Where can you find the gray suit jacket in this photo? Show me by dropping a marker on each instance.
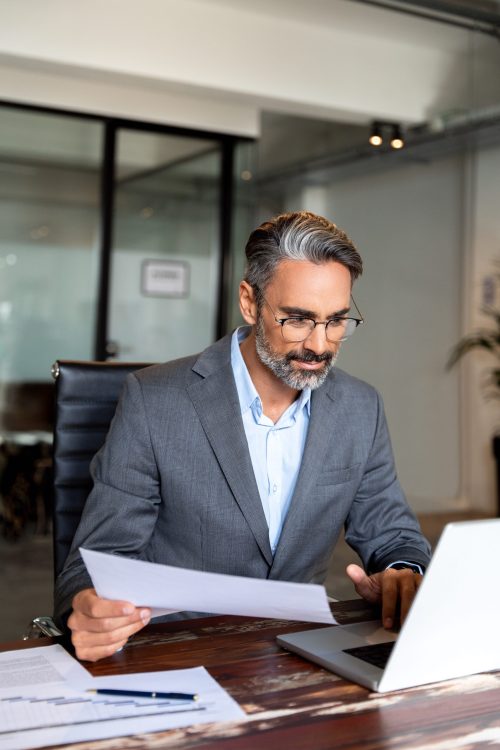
(174, 482)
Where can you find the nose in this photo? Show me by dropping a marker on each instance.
(316, 341)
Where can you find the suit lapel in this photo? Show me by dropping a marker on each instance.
(215, 399)
(319, 440)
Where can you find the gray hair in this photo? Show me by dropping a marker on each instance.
(300, 235)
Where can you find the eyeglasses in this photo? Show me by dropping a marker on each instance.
(299, 328)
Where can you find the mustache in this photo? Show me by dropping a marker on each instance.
(309, 357)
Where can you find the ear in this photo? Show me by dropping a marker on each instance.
(248, 305)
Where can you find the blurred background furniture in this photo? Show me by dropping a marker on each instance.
(26, 423)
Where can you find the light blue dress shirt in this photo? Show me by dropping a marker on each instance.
(275, 449)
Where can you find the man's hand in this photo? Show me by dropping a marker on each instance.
(100, 627)
(390, 587)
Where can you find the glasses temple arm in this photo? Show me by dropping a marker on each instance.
(358, 310)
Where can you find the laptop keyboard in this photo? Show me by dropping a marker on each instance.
(378, 654)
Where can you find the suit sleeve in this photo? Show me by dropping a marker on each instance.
(380, 525)
(121, 511)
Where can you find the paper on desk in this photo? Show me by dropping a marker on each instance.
(166, 589)
(39, 668)
(43, 701)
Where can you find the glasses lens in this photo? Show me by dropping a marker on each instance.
(295, 330)
(340, 329)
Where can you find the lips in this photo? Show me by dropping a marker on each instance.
(310, 365)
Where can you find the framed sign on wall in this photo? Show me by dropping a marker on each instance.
(165, 278)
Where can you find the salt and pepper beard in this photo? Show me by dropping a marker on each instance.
(281, 365)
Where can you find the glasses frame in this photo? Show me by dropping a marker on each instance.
(325, 323)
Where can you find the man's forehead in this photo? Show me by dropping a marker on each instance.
(319, 302)
(290, 267)
(305, 279)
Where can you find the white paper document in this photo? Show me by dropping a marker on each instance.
(44, 701)
(167, 589)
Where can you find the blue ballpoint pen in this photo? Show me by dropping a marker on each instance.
(145, 694)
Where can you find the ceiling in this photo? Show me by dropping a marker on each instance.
(352, 16)
(383, 18)
(343, 12)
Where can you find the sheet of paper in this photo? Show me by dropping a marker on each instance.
(38, 710)
(43, 668)
(166, 589)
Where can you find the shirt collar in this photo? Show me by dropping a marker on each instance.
(247, 393)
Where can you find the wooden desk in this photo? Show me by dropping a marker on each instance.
(294, 704)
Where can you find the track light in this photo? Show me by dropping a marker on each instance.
(375, 138)
(380, 130)
(397, 138)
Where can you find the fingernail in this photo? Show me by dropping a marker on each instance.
(128, 609)
(388, 622)
(145, 616)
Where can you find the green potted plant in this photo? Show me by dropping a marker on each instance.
(485, 339)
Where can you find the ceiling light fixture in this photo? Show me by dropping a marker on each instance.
(380, 131)
(375, 138)
(397, 140)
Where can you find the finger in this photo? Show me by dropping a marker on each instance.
(92, 646)
(90, 604)
(367, 587)
(85, 638)
(355, 573)
(390, 596)
(94, 653)
(408, 592)
(79, 621)
(398, 588)
(93, 613)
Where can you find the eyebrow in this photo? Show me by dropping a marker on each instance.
(301, 312)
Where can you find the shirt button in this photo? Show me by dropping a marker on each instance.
(275, 487)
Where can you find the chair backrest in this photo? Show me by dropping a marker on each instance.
(86, 398)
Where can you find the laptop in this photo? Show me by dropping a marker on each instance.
(451, 630)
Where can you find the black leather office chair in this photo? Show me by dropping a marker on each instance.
(86, 398)
(86, 394)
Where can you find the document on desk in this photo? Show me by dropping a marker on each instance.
(44, 701)
(166, 589)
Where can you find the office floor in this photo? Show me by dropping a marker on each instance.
(26, 574)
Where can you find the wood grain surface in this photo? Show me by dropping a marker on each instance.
(293, 704)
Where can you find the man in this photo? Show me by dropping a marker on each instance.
(250, 457)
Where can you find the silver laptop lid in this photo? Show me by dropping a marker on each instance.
(453, 628)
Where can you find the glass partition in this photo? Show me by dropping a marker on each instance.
(166, 249)
(49, 196)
